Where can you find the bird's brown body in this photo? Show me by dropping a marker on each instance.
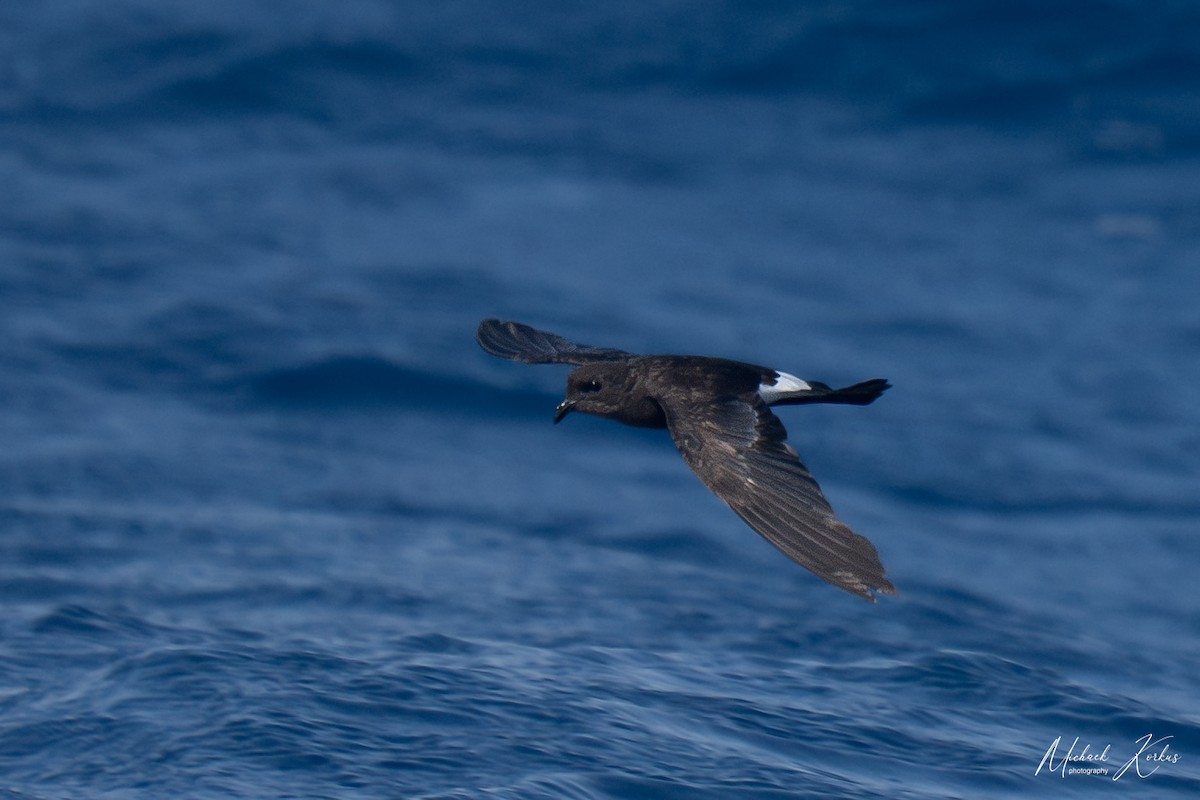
(717, 413)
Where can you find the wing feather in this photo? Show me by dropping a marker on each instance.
(518, 342)
(738, 449)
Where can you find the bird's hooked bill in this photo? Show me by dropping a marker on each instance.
(563, 409)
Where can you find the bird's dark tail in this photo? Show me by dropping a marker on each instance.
(859, 394)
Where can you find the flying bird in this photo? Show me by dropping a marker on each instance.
(718, 414)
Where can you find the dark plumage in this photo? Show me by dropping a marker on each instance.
(717, 413)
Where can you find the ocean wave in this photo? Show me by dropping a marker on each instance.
(367, 380)
(967, 61)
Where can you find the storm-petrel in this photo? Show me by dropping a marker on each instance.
(717, 413)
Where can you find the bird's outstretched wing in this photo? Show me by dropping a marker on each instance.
(737, 447)
(519, 342)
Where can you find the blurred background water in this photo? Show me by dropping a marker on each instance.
(273, 526)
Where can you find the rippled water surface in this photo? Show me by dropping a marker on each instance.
(272, 525)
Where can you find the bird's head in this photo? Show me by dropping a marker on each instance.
(598, 389)
(609, 389)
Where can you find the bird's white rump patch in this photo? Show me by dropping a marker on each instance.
(784, 385)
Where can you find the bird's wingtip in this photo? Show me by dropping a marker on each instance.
(870, 590)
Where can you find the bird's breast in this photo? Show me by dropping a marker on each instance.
(642, 413)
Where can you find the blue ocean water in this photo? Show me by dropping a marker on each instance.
(272, 525)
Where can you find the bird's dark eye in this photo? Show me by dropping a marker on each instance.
(590, 386)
